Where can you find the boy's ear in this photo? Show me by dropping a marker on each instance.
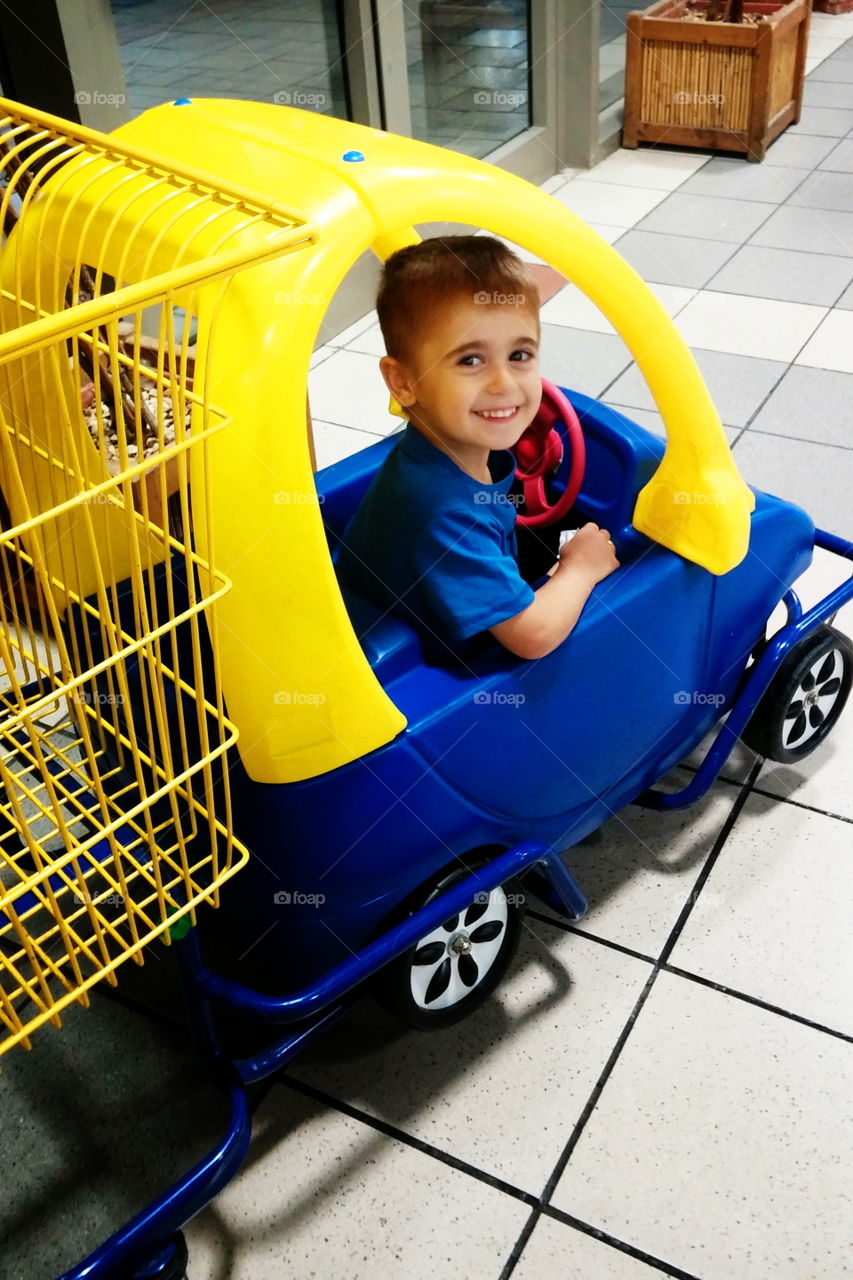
(399, 381)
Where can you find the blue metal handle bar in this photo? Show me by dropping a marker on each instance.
(350, 972)
(799, 624)
(118, 1257)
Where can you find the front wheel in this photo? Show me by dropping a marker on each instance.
(804, 699)
(451, 971)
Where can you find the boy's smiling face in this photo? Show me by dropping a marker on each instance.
(470, 382)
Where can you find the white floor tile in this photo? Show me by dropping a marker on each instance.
(831, 346)
(722, 1142)
(557, 1252)
(610, 234)
(573, 308)
(347, 389)
(748, 326)
(323, 1195)
(319, 354)
(369, 341)
(550, 185)
(333, 443)
(345, 337)
(560, 1008)
(608, 203)
(773, 920)
(659, 170)
(638, 870)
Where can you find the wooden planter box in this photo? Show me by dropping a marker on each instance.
(722, 86)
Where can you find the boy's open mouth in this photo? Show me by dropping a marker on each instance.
(496, 415)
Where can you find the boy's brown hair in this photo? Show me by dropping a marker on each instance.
(421, 277)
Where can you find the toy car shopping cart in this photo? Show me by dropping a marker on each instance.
(167, 582)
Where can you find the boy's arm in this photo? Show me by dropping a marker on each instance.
(537, 630)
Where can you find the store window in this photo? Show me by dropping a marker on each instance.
(469, 72)
(263, 50)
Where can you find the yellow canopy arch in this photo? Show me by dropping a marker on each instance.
(295, 678)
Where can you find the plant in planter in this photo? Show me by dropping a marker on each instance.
(724, 75)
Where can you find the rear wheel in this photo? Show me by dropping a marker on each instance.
(804, 699)
(451, 971)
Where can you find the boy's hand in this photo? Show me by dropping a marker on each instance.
(537, 630)
(590, 553)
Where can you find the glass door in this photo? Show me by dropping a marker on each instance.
(469, 72)
(265, 50)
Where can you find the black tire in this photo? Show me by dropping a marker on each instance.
(452, 970)
(804, 699)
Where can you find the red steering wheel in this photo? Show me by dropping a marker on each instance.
(541, 452)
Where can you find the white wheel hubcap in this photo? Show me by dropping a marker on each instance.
(813, 700)
(449, 963)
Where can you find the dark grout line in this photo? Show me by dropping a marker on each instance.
(408, 1139)
(801, 804)
(757, 1002)
(568, 927)
(674, 934)
(520, 1244)
(668, 1268)
(778, 435)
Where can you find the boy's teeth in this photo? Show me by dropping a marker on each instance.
(498, 413)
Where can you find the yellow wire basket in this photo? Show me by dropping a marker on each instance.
(114, 738)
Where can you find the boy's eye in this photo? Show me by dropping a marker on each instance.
(523, 354)
(470, 360)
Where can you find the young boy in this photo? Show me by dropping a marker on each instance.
(434, 537)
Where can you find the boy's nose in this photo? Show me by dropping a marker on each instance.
(501, 380)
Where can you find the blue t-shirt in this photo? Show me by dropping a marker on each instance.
(434, 545)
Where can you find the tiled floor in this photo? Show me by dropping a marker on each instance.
(668, 1087)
